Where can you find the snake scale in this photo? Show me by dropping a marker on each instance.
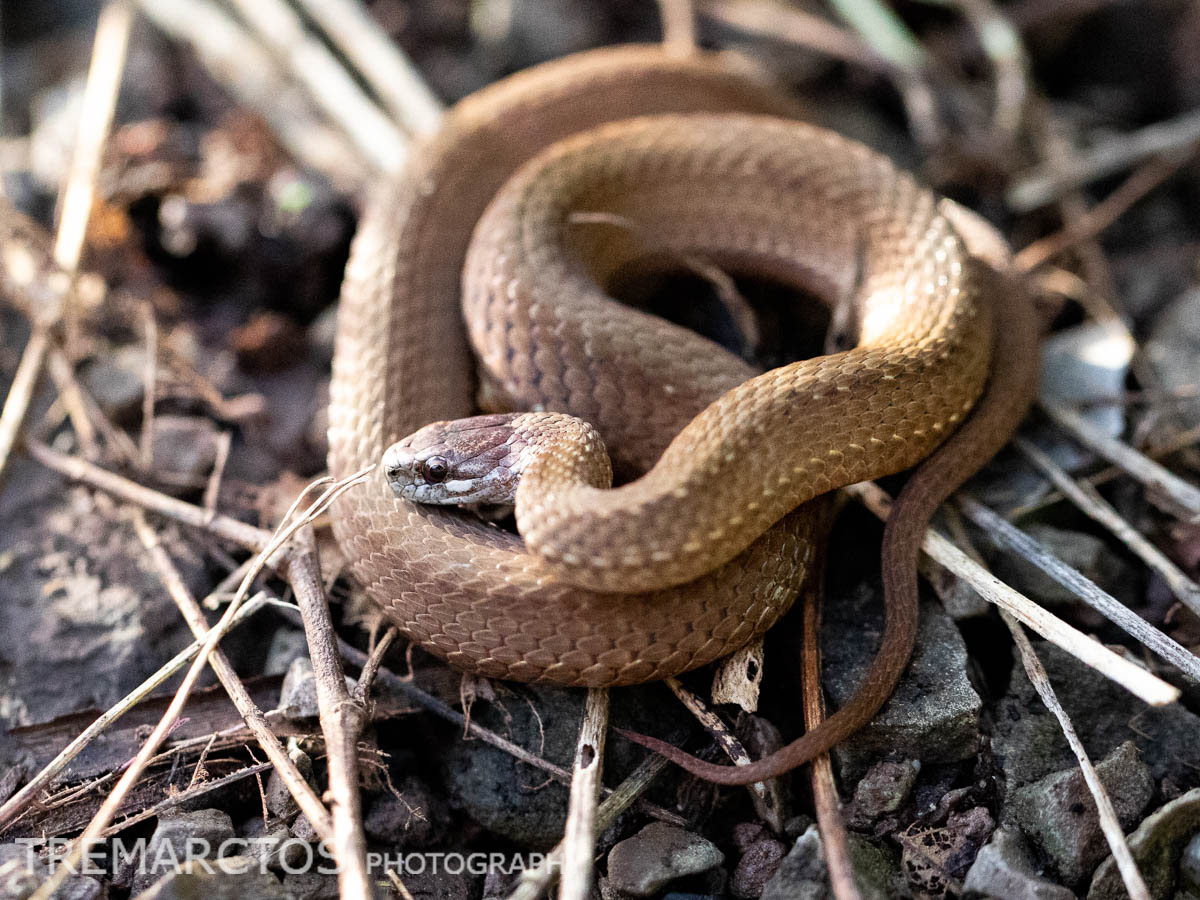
(501, 236)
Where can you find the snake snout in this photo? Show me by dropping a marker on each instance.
(397, 464)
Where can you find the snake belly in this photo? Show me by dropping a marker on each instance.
(703, 553)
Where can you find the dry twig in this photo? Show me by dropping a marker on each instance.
(15, 805)
(370, 668)
(825, 798)
(678, 26)
(329, 84)
(1089, 500)
(1113, 833)
(1172, 444)
(1146, 686)
(108, 809)
(1011, 537)
(536, 881)
(253, 77)
(1095, 220)
(351, 861)
(342, 718)
(717, 729)
(475, 730)
(1167, 491)
(381, 63)
(229, 529)
(579, 836)
(295, 782)
(1047, 182)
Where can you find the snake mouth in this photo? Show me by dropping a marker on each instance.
(405, 491)
(414, 491)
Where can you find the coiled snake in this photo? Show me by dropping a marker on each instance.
(704, 552)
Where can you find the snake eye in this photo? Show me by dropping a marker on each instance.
(435, 469)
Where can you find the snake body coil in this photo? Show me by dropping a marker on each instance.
(704, 552)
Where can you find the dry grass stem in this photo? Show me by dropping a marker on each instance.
(296, 784)
(100, 99)
(20, 393)
(1092, 504)
(116, 441)
(883, 29)
(108, 809)
(99, 104)
(1166, 490)
(256, 81)
(383, 65)
(811, 32)
(1046, 183)
(212, 489)
(401, 890)
(1099, 294)
(71, 395)
(1012, 538)
(538, 880)
(788, 23)
(1113, 833)
(192, 793)
(348, 843)
(1099, 217)
(331, 87)
(18, 802)
(1145, 685)
(1001, 43)
(149, 387)
(349, 847)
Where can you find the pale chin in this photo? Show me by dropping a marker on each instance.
(448, 493)
(403, 491)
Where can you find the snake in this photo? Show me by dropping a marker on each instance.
(482, 276)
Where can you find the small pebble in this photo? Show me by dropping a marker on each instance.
(756, 867)
(656, 856)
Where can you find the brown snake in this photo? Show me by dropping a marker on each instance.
(703, 553)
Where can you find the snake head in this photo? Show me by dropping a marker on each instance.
(464, 461)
